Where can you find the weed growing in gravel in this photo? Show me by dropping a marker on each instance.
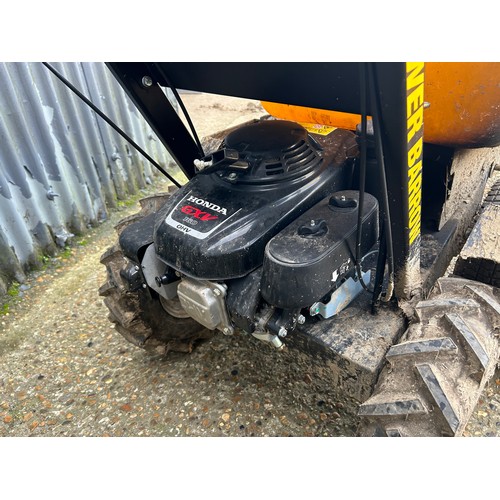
(11, 297)
(66, 253)
(126, 203)
(13, 290)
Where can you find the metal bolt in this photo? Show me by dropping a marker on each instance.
(314, 311)
(147, 81)
(226, 331)
(232, 176)
(200, 164)
(217, 292)
(301, 319)
(50, 194)
(276, 342)
(136, 268)
(144, 285)
(282, 332)
(313, 223)
(427, 104)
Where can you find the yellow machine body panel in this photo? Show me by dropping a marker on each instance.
(463, 110)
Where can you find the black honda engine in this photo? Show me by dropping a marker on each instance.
(262, 236)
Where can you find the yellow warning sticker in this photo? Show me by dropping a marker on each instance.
(415, 129)
(315, 128)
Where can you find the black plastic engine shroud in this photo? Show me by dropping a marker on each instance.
(217, 226)
(312, 256)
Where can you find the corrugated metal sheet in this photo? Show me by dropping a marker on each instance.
(61, 166)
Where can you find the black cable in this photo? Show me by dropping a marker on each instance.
(109, 122)
(377, 132)
(184, 110)
(362, 175)
(379, 273)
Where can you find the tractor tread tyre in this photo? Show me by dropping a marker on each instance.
(139, 316)
(433, 378)
(493, 195)
(479, 269)
(483, 270)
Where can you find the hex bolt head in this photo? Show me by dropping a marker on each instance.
(283, 332)
(216, 291)
(301, 319)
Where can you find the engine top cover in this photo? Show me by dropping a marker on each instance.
(275, 150)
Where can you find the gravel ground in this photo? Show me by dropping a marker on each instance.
(66, 372)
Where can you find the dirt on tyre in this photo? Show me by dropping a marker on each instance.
(141, 316)
(433, 378)
(479, 268)
(493, 195)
